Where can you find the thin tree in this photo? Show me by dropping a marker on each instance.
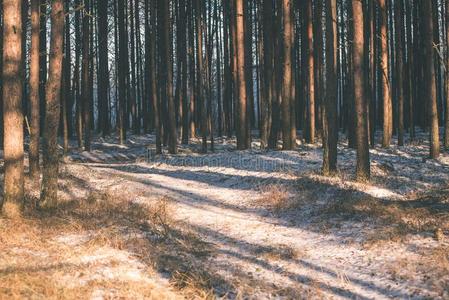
(167, 72)
(399, 70)
(310, 136)
(243, 125)
(361, 131)
(153, 81)
(103, 75)
(85, 80)
(34, 91)
(287, 74)
(53, 89)
(384, 66)
(446, 117)
(429, 76)
(122, 49)
(12, 108)
(330, 127)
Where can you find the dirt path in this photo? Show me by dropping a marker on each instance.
(268, 253)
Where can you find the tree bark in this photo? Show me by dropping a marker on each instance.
(287, 74)
(85, 80)
(362, 145)
(429, 76)
(330, 126)
(103, 75)
(53, 89)
(384, 65)
(166, 58)
(12, 108)
(121, 127)
(310, 136)
(34, 91)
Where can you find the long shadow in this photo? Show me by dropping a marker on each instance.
(247, 249)
(215, 179)
(289, 218)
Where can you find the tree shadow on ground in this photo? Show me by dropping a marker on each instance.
(344, 205)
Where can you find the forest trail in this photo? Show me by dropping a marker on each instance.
(267, 251)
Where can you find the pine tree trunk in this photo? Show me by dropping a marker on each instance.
(287, 74)
(76, 78)
(166, 58)
(248, 25)
(446, 117)
(384, 64)
(192, 78)
(53, 89)
(310, 137)
(153, 81)
(330, 127)
(185, 92)
(85, 80)
(103, 76)
(12, 109)
(362, 145)
(34, 91)
(267, 71)
(242, 138)
(43, 62)
(399, 71)
(121, 127)
(227, 107)
(429, 76)
(201, 99)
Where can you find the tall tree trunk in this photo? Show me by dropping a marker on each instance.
(85, 80)
(287, 74)
(384, 64)
(12, 108)
(76, 77)
(201, 99)
(192, 79)
(167, 72)
(362, 145)
(310, 137)
(122, 71)
(399, 71)
(243, 128)
(53, 89)
(429, 76)
(183, 49)
(34, 91)
(43, 62)
(267, 71)
(330, 126)
(68, 92)
(133, 80)
(446, 117)
(227, 105)
(103, 75)
(153, 81)
(248, 23)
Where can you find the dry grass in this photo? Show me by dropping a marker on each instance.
(432, 265)
(275, 198)
(44, 247)
(276, 253)
(394, 220)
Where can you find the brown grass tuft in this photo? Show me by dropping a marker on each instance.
(275, 198)
(276, 253)
(43, 247)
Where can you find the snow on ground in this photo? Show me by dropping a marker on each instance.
(297, 251)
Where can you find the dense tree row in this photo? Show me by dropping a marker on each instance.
(280, 69)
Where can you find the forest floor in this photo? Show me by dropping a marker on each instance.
(240, 225)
